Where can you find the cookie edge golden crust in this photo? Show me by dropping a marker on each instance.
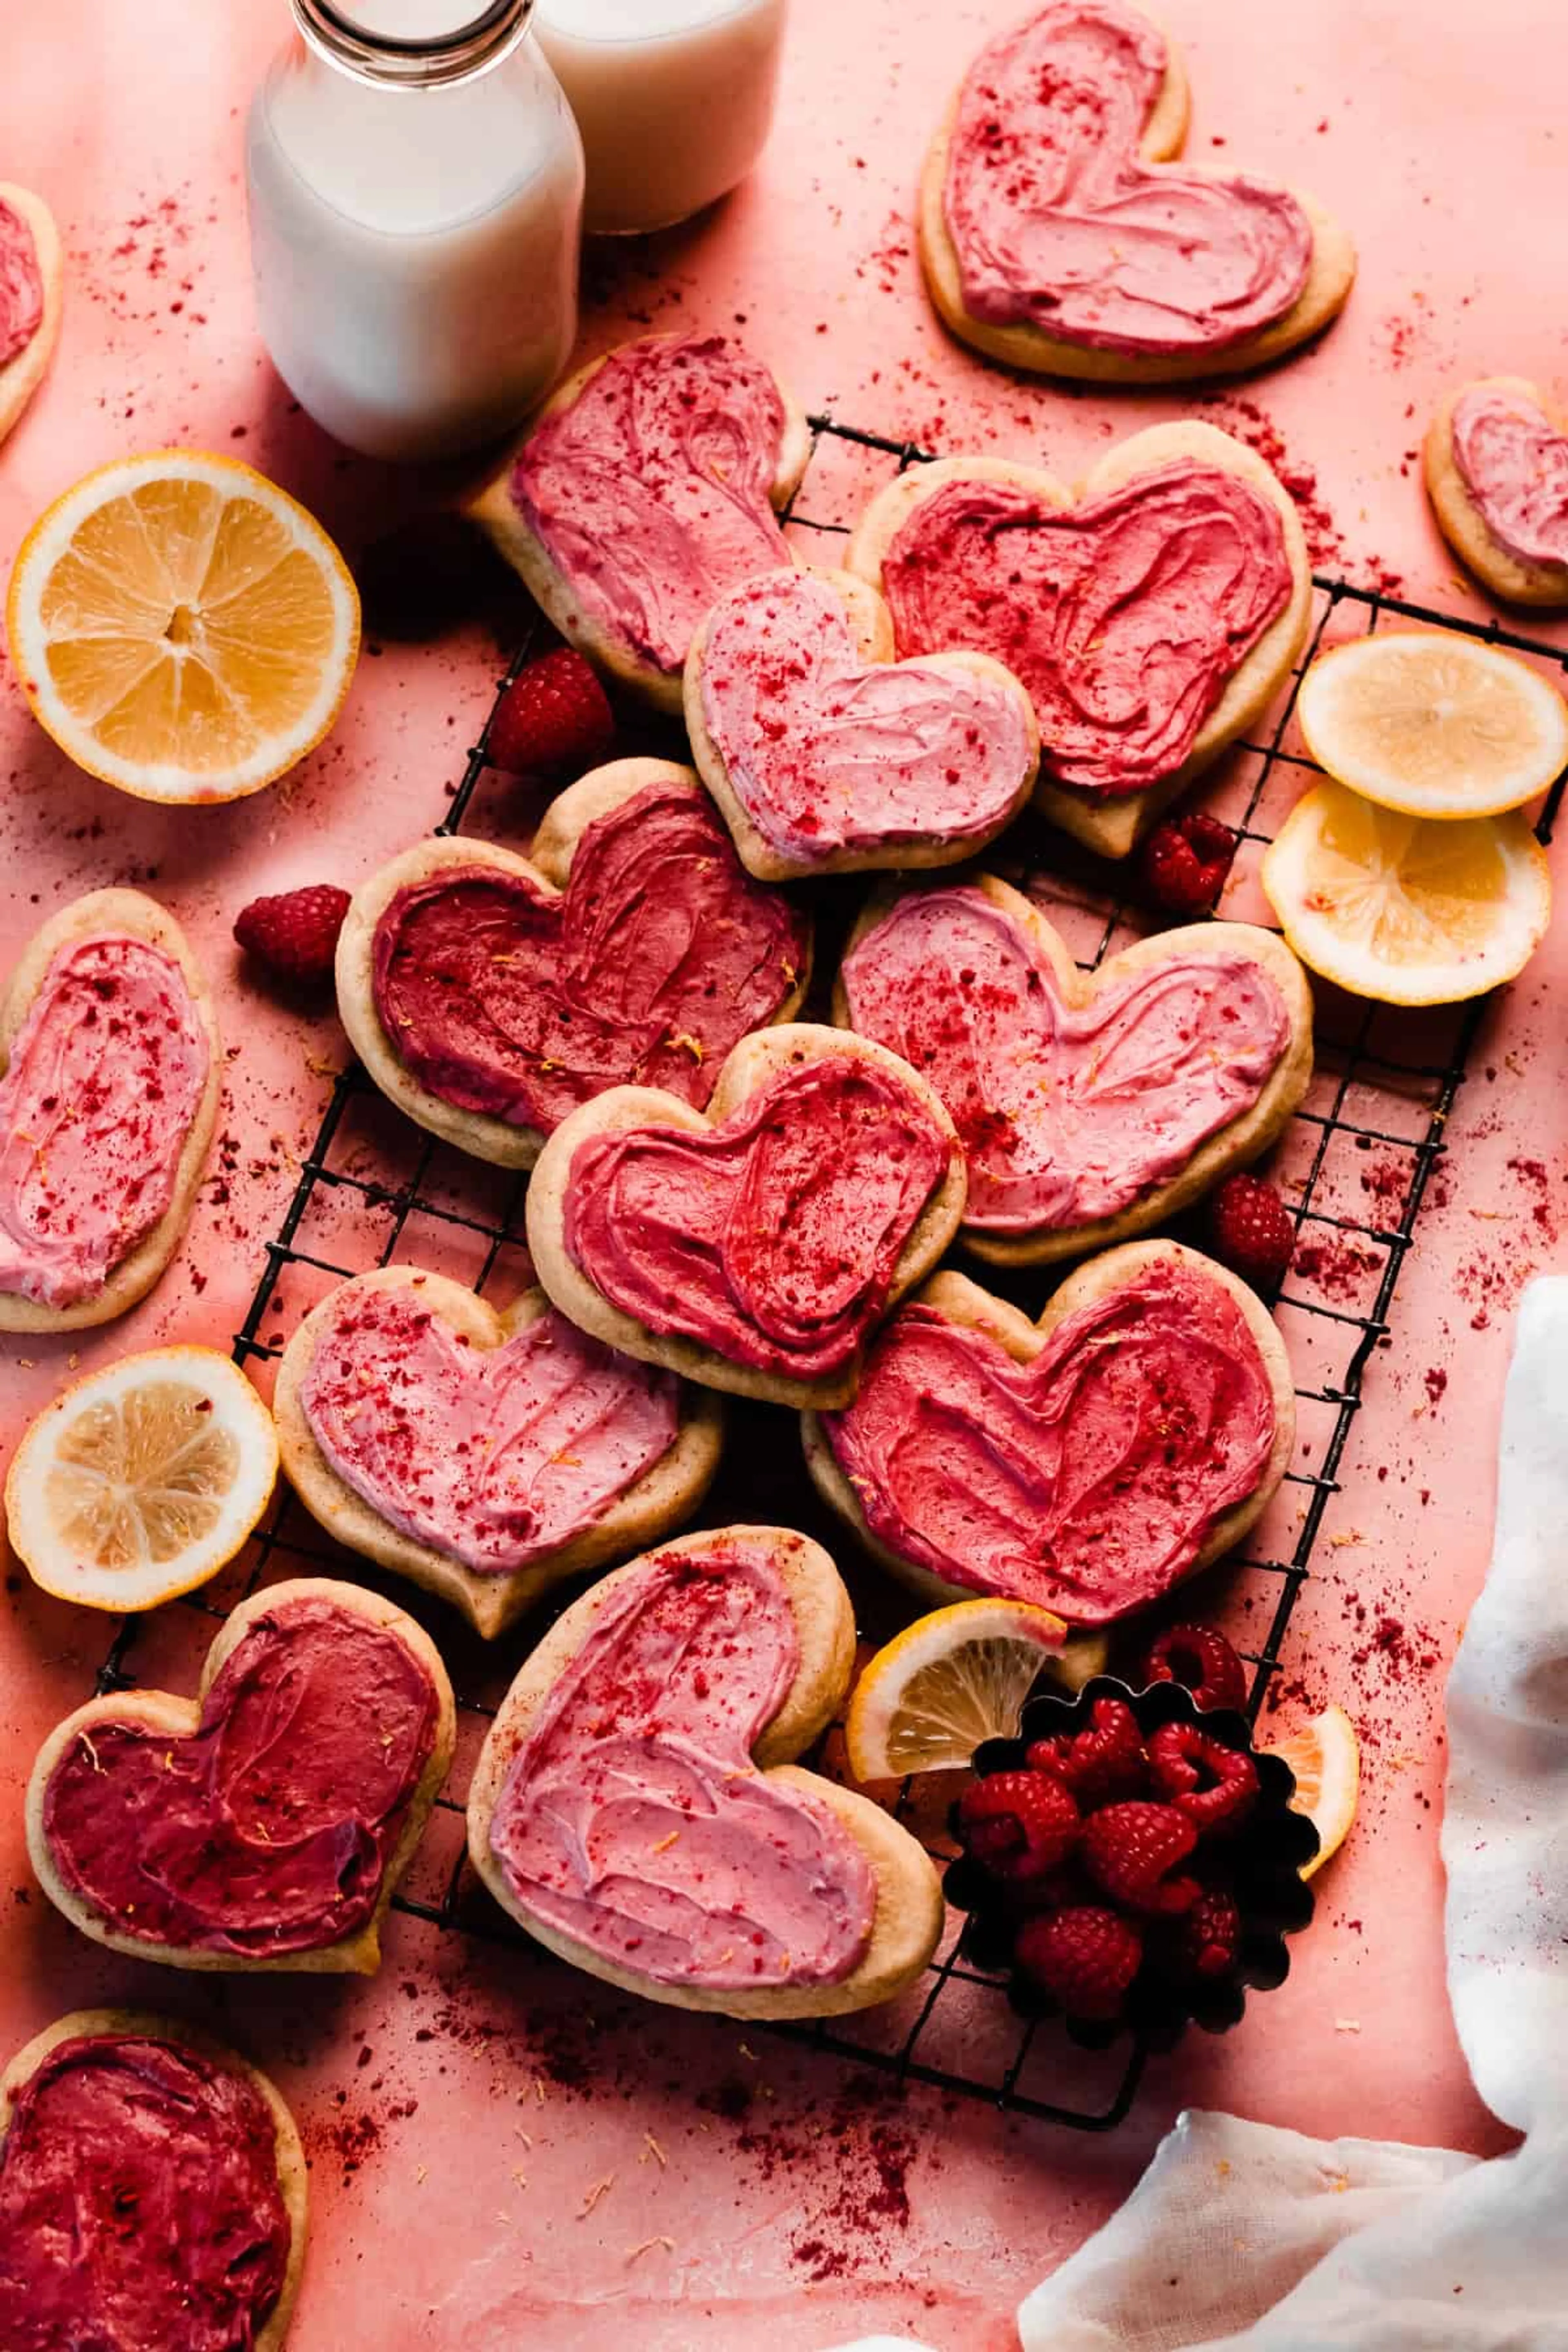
(1113, 825)
(753, 1065)
(493, 508)
(1329, 276)
(909, 1910)
(1501, 572)
(662, 1499)
(358, 1954)
(131, 914)
(293, 2178)
(872, 624)
(562, 827)
(1243, 1139)
(20, 377)
(962, 1300)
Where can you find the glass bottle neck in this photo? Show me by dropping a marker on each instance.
(412, 43)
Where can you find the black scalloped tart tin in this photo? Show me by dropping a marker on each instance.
(1260, 1862)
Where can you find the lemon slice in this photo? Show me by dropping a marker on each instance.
(1434, 724)
(1404, 908)
(949, 1681)
(1325, 1757)
(142, 1480)
(181, 628)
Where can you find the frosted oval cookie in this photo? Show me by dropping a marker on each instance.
(31, 282)
(489, 994)
(486, 1456)
(826, 756)
(1152, 615)
(754, 1247)
(264, 1824)
(649, 485)
(1090, 1105)
(637, 1807)
(1057, 234)
(152, 2191)
(1496, 460)
(1087, 1463)
(111, 1071)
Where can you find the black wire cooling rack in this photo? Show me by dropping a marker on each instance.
(374, 1188)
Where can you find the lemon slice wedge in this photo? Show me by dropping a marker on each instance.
(141, 1480)
(182, 627)
(926, 1701)
(1407, 909)
(1434, 724)
(1325, 1757)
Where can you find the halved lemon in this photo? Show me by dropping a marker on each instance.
(1407, 909)
(182, 627)
(926, 1701)
(1434, 724)
(141, 1480)
(1325, 1757)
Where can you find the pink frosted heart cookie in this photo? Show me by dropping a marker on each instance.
(1496, 462)
(30, 287)
(826, 756)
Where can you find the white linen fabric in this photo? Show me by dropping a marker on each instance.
(1244, 2234)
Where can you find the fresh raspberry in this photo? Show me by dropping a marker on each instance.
(1251, 1230)
(1185, 862)
(1207, 1940)
(295, 934)
(1130, 1850)
(553, 721)
(1084, 1958)
(1212, 1784)
(1101, 1763)
(1018, 1825)
(1201, 1659)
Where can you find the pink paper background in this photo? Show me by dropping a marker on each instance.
(796, 2207)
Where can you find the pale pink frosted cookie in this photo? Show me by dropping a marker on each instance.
(1085, 1464)
(637, 1808)
(647, 487)
(826, 756)
(1496, 461)
(1056, 235)
(30, 289)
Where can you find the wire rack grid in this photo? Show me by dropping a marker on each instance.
(955, 2032)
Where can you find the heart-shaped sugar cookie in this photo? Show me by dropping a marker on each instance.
(484, 1455)
(1090, 1105)
(489, 994)
(826, 756)
(1151, 617)
(634, 1807)
(152, 2191)
(1056, 234)
(1497, 473)
(265, 1823)
(649, 485)
(1085, 1463)
(756, 1248)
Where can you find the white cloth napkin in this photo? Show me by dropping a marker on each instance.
(1240, 2233)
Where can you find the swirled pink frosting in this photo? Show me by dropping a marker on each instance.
(1066, 1113)
(105, 1077)
(826, 754)
(494, 1457)
(21, 285)
(1087, 1479)
(1125, 616)
(649, 493)
(633, 1818)
(1514, 463)
(1058, 222)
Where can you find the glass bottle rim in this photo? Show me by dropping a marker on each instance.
(419, 62)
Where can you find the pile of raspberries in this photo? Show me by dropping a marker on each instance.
(1109, 1849)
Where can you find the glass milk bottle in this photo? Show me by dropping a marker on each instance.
(674, 98)
(416, 184)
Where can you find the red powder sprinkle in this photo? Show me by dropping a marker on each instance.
(1437, 1380)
